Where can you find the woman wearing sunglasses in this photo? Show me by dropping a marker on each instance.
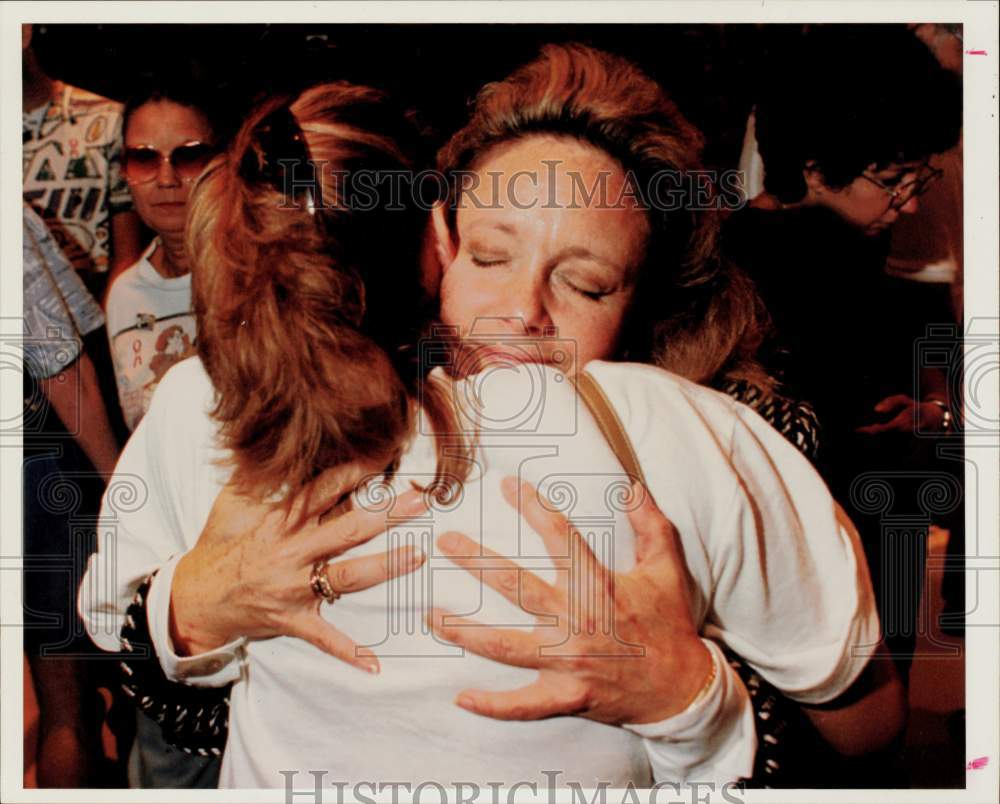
(169, 139)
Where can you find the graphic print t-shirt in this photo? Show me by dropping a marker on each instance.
(71, 171)
(151, 326)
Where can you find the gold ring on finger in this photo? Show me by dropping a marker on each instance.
(320, 584)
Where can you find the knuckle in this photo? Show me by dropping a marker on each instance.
(508, 580)
(498, 646)
(342, 576)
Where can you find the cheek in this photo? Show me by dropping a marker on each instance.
(594, 332)
(140, 196)
(460, 299)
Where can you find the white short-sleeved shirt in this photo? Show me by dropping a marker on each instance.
(777, 570)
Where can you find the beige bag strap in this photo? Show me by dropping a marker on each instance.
(611, 426)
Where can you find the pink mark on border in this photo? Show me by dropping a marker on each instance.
(976, 52)
(978, 764)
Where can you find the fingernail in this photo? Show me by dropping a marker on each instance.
(414, 557)
(412, 503)
(466, 701)
(369, 664)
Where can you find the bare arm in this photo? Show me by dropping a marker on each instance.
(869, 715)
(83, 413)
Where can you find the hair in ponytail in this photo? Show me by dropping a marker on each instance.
(308, 311)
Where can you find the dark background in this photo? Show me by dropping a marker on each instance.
(710, 70)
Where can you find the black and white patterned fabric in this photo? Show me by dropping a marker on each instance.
(193, 719)
(795, 420)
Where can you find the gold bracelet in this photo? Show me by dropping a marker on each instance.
(712, 674)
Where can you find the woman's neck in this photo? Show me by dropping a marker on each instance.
(170, 259)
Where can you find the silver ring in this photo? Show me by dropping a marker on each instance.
(320, 583)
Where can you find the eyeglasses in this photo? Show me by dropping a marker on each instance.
(901, 194)
(142, 163)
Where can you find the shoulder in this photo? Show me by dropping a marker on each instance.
(646, 397)
(86, 101)
(184, 398)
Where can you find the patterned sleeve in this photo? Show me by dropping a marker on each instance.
(58, 308)
(794, 419)
(119, 197)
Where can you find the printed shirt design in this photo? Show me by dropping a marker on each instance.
(144, 352)
(72, 150)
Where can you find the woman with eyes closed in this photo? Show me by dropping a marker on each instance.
(500, 642)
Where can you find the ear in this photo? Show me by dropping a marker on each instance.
(444, 246)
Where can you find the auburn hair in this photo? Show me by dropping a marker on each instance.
(693, 313)
(309, 310)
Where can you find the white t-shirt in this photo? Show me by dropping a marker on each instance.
(151, 327)
(777, 571)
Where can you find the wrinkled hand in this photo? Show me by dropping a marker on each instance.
(911, 417)
(248, 575)
(612, 647)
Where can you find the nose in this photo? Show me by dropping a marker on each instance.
(911, 206)
(526, 305)
(166, 176)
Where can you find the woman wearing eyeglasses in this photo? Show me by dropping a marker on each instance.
(847, 137)
(169, 139)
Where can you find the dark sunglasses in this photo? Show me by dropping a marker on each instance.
(142, 163)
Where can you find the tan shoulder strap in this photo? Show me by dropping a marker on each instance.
(611, 426)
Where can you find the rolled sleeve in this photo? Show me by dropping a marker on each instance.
(713, 740)
(215, 668)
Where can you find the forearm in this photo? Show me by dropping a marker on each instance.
(84, 414)
(869, 716)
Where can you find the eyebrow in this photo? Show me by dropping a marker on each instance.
(504, 228)
(586, 254)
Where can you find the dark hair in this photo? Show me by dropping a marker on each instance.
(693, 313)
(848, 96)
(188, 94)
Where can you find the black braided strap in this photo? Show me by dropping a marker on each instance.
(795, 420)
(790, 752)
(193, 719)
